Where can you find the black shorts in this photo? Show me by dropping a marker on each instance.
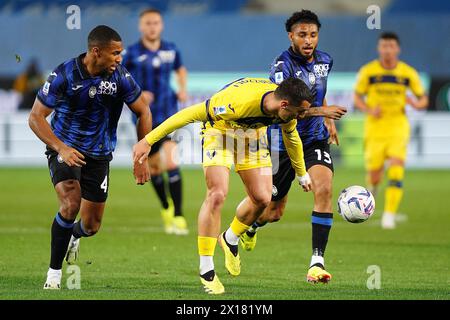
(93, 176)
(157, 146)
(317, 153)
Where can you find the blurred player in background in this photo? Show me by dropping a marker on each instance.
(303, 61)
(235, 131)
(151, 61)
(85, 96)
(384, 83)
(28, 84)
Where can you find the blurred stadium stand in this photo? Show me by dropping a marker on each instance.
(237, 35)
(222, 40)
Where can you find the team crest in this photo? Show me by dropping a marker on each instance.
(59, 158)
(312, 78)
(274, 191)
(211, 154)
(156, 62)
(92, 91)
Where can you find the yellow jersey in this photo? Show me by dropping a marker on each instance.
(239, 105)
(387, 88)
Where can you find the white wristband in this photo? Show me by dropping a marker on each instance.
(304, 180)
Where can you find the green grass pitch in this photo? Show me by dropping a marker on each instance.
(132, 258)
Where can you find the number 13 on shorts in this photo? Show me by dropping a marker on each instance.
(326, 156)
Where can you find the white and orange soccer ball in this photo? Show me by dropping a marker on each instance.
(356, 204)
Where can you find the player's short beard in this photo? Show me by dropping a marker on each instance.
(298, 51)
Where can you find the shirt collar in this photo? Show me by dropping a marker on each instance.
(81, 68)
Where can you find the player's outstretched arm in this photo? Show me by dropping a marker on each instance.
(361, 105)
(332, 112)
(38, 123)
(140, 108)
(420, 103)
(294, 148)
(188, 115)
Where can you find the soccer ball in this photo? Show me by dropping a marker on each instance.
(356, 204)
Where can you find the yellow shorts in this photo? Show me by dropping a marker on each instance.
(377, 150)
(245, 149)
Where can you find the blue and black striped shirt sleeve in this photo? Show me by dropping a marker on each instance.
(53, 89)
(130, 89)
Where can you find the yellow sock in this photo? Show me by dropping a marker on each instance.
(394, 192)
(206, 245)
(238, 227)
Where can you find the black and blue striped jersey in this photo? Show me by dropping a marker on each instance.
(315, 75)
(152, 71)
(87, 109)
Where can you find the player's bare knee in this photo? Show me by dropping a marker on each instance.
(216, 198)
(155, 171)
(91, 229)
(276, 213)
(262, 200)
(324, 191)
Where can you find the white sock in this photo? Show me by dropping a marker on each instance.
(317, 259)
(206, 264)
(231, 237)
(54, 274)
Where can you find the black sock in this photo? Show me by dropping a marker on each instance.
(78, 231)
(321, 225)
(233, 248)
(158, 184)
(208, 276)
(61, 232)
(175, 189)
(255, 226)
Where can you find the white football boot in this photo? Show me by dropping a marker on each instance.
(73, 250)
(53, 281)
(388, 221)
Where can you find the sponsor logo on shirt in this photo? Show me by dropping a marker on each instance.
(321, 70)
(166, 56)
(219, 110)
(278, 63)
(107, 87)
(142, 57)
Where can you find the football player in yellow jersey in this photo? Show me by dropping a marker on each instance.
(235, 122)
(384, 83)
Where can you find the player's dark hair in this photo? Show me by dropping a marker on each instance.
(101, 36)
(295, 91)
(149, 10)
(389, 35)
(304, 16)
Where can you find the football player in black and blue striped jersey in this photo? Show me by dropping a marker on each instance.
(85, 96)
(317, 130)
(151, 61)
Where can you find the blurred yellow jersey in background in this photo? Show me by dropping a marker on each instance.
(387, 89)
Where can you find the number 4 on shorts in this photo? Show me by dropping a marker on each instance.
(104, 184)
